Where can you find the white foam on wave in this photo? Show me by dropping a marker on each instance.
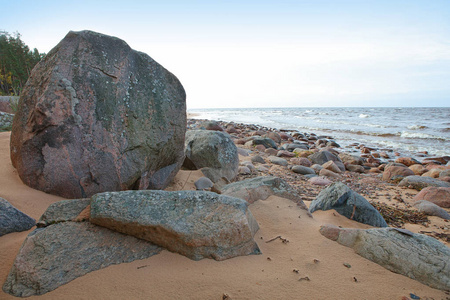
(417, 127)
(418, 135)
(364, 116)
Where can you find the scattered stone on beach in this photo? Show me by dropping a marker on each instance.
(260, 188)
(431, 209)
(437, 195)
(357, 168)
(213, 152)
(301, 161)
(303, 153)
(63, 211)
(258, 159)
(407, 161)
(395, 172)
(212, 125)
(328, 173)
(274, 136)
(441, 160)
(348, 203)
(325, 156)
(244, 170)
(294, 146)
(285, 153)
(444, 173)
(266, 142)
(434, 173)
(271, 151)
(12, 219)
(317, 168)
(303, 170)
(421, 182)
(350, 159)
(320, 181)
(243, 152)
(417, 256)
(203, 183)
(57, 254)
(195, 224)
(418, 169)
(331, 165)
(85, 126)
(278, 161)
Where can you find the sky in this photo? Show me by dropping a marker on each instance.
(316, 53)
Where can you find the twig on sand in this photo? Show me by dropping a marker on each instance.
(278, 237)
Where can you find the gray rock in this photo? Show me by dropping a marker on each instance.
(348, 203)
(63, 211)
(260, 188)
(243, 152)
(292, 147)
(444, 173)
(244, 170)
(421, 182)
(431, 209)
(258, 159)
(278, 161)
(317, 168)
(325, 156)
(355, 168)
(303, 170)
(213, 152)
(12, 219)
(266, 142)
(57, 254)
(203, 183)
(416, 256)
(195, 224)
(96, 115)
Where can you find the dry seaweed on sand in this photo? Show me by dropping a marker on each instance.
(397, 217)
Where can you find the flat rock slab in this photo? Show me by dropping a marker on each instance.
(348, 203)
(12, 219)
(57, 254)
(195, 224)
(417, 256)
(421, 182)
(63, 211)
(260, 188)
(431, 209)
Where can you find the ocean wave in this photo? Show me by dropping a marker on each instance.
(415, 135)
(417, 127)
(364, 116)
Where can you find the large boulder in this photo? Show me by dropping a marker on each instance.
(213, 152)
(348, 203)
(260, 188)
(417, 256)
(195, 224)
(437, 195)
(12, 219)
(96, 115)
(57, 254)
(421, 182)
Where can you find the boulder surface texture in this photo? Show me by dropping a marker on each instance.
(95, 116)
(417, 256)
(57, 254)
(213, 152)
(348, 203)
(421, 182)
(195, 224)
(12, 219)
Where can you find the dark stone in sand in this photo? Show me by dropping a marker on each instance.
(421, 182)
(12, 219)
(348, 203)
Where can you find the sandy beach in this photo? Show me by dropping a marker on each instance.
(274, 274)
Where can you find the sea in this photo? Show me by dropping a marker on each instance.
(407, 130)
